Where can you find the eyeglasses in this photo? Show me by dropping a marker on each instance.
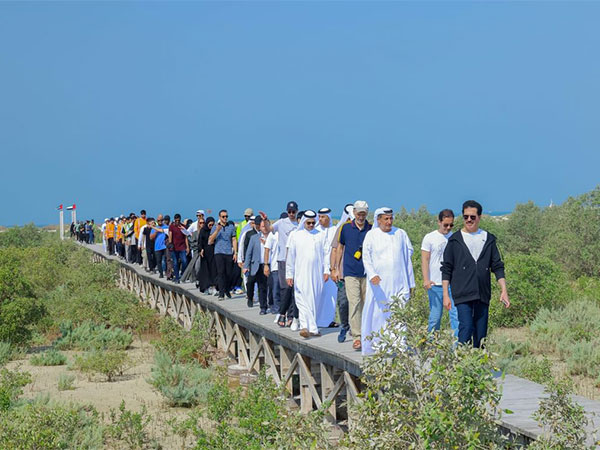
(224, 217)
(200, 223)
(310, 222)
(467, 217)
(291, 211)
(447, 225)
(247, 217)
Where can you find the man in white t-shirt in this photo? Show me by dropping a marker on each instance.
(432, 254)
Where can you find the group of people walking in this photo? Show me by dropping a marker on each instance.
(304, 268)
(83, 231)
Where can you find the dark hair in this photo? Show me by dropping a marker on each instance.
(209, 219)
(472, 204)
(177, 216)
(222, 211)
(445, 213)
(150, 219)
(143, 211)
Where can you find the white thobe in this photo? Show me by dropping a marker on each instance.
(328, 300)
(387, 255)
(305, 265)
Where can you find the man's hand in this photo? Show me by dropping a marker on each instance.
(241, 265)
(290, 282)
(376, 280)
(325, 277)
(235, 257)
(266, 271)
(447, 303)
(334, 275)
(504, 299)
(202, 253)
(427, 284)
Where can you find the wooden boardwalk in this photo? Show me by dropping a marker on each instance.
(314, 370)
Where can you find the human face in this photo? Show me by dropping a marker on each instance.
(471, 219)
(445, 225)
(201, 223)
(324, 220)
(211, 224)
(310, 224)
(223, 217)
(247, 218)
(385, 222)
(263, 227)
(292, 214)
(360, 216)
(200, 217)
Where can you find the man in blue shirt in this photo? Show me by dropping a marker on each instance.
(351, 237)
(159, 236)
(225, 242)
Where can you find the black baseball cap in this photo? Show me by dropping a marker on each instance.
(292, 206)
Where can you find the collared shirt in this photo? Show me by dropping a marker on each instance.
(352, 237)
(223, 241)
(272, 244)
(284, 227)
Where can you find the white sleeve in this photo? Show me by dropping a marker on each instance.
(291, 257)
(426, 244)
(241, 248)
(368, 256)
(410, 270)
(327, 253)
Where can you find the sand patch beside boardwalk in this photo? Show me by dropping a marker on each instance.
(132, 387)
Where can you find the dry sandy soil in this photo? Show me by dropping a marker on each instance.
(131, 387)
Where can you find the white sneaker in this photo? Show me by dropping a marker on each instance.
(276, 318)
(239, 291)
(295, 325)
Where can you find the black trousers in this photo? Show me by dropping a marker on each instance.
(110, 245)
(287, 303)
(258, 277)
(151, 258)
(224, 270)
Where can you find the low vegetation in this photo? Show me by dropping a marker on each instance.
(49, 358)
(110, 363)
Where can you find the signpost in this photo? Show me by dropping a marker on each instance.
(62, 222)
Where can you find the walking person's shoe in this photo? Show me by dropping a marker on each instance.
(228, 294)
(304, 333)
(342, 336)
(250, 303)
(263, 312)
(281, 321)
(356, 344)
(238, 291)
(295, 325)
(317, 334)
(221, 297)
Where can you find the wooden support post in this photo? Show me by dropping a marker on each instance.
(327, 385)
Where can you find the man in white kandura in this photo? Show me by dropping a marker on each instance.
(387, 255)
(326, 304)
(306, 270)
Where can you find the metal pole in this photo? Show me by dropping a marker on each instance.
(62, 225)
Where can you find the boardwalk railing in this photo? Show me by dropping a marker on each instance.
(312, 376)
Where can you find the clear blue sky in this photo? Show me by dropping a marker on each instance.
(175, 106)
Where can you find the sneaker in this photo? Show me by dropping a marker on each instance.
(220, 297)
(250, 303)
(217, 294)
(238, 291)
(268, 311)
(342, 335)
(262, 312)
(277, 319)
(228, 294)
(295, 325)
(160, 276)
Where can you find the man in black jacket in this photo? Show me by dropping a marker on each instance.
(468, 259)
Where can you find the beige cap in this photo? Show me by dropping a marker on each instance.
(248, 212)
(361, 206)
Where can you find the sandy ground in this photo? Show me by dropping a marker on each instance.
(131, 387)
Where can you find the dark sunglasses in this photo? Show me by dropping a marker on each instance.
(467, 217)
(447, 225)
(310, 222)
(291, 212)
(224, 217)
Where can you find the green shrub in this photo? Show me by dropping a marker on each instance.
(6, 352)
(535, 369)
(26, 236)
(17, 316)
(50, 358)
(11, 387)
(563, 420)
(109, 363)
(66, 382)
(129, 428)
(90, 336)
(583, 358)
(260, 419)
(431, 396)
(181, 384)
(533, 282)
(186, 346)
(42, 424)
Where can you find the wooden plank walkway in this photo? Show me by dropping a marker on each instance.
(518, 395)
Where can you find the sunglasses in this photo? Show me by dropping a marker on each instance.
(467, 217)
(448, 225)
(310, 222)
(224, 217)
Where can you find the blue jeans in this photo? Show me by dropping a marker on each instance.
(436, 309)
(472, 322)
(178, 257)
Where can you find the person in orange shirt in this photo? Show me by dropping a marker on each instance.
(119, 235)
(137, 226)
(109, 234)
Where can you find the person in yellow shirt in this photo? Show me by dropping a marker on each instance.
(137, 226)
(109, 234)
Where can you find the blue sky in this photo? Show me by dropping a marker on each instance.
(177, 106)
